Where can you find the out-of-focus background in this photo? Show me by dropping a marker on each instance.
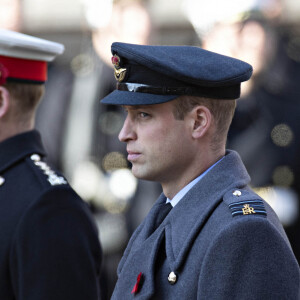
(80, 135)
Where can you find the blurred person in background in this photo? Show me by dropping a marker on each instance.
(120, 20)
(265, 129)
(50, 116)
(80, 137)
(10, 14)
(49, 239)
(93, 158)
(208, 236)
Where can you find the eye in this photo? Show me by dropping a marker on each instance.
(143, 115)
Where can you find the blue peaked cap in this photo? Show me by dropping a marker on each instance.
(157, 74)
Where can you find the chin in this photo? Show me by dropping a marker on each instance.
(140, 173)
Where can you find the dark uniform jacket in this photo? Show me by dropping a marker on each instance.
(221, 241)
(49, 246)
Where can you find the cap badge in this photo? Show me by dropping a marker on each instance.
(119, 72)
(3, 74)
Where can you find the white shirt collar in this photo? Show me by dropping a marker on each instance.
(183, 191)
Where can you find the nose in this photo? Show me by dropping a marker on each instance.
(127, 132)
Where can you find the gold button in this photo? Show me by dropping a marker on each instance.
(172, 278)
(237, 193)
(2, 180)
(35, 157)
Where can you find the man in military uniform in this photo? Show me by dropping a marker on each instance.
(208, 236)
(49, 247)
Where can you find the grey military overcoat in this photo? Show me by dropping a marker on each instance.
(221, 241)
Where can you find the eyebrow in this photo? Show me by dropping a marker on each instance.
(134, 107)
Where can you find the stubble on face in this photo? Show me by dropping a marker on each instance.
(161, 143)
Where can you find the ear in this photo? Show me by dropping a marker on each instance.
(202, 120)
(4, 101)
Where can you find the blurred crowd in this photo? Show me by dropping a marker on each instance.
(81, 136)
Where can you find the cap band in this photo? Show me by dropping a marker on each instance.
(25, 69)
(225, 92)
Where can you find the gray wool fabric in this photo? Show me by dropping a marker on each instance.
(215, 251)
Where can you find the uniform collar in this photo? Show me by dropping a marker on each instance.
(183, 191)
(19, 146)
(181, 226)
(192, 211)
(197, 205)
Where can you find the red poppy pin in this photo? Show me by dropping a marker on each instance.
(119, 72)
(116, 61)
(138, 284)
(3, 74)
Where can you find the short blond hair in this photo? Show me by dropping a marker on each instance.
(221, 110)
(26, 97)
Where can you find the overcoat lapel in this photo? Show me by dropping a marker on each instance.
(186, 220)
(180, 228)
(141, 260)
(143, 231)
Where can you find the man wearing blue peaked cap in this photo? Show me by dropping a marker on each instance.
(49, 247)
(208, 236)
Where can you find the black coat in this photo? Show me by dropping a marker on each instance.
(49, 247)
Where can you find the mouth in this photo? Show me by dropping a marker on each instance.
(133, 156)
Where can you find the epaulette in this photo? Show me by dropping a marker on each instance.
(53, 178)
(244, 202)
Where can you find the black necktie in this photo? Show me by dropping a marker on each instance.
(162, 213)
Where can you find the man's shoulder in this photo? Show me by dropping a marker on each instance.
(51, 185)
(244, 202)
(29, 180)
(31, 191)
(238, 206)
(45, 175)
(33, 174)
(246, 208)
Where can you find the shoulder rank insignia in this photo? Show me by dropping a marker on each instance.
(53, 178)
(244, 202)
(247, 207)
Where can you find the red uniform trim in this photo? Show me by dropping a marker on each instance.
(26, 69)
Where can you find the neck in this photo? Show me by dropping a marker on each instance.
(8, 131)
(173, 186)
